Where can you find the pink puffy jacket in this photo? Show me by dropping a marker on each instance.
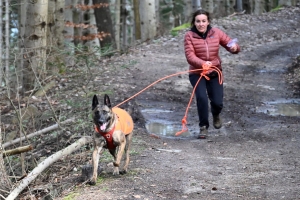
(199, 50)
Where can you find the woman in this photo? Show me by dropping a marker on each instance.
(201, 45)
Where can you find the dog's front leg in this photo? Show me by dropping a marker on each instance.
(118, 157)
(95, 158)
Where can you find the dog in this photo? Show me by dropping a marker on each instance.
(115, 125)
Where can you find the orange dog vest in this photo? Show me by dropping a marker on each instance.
(124, 123)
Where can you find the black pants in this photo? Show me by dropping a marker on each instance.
(207, 89)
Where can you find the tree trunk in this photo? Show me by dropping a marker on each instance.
(137, 20)
(69, 33)
(93, 44)
(35, 42)
(124, 17)
(148, 19)
(5, 184)
(117, 23)
(45, 164)
(239, 6)
(196, 4)
(59, 23)
(1, 42)
(20, 64)
(7, 36)
(104, 22)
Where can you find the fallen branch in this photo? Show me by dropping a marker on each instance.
(237, 13)
(45, 130)
(17, 150)
(46, 163)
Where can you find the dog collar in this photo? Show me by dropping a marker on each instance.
(108, 137)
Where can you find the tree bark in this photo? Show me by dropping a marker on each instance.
(35, 42)
(5, 183)
(59, 23)
(239, 6)
(137, 20)
(94, 44)
(104, 22)
(148, 19)
(196, 4)
(17, 151)
(69, 34)
(45, 164)
(1, 42)
(7, 45)
(117, 23)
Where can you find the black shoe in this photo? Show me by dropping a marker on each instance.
(217, 121)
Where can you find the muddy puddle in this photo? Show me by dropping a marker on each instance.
(164, 120)
(281, 107)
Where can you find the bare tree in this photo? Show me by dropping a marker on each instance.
(35, 42)
(104, 21)
(93, 44)
(5, 184)
(117, 23)
(239, 6)
(124, 14)
(69, 32)
(59, 23)
(137, 20)
(148, 19)
(196, 4)
(1, 47)
(7, 35)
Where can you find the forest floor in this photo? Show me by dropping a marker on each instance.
(255, 155)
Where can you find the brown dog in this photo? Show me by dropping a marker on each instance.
(116, 126)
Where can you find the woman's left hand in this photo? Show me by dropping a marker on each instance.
(233, 48)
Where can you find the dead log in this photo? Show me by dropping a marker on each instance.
(45, 130)
(46, 163)
(17, 150)
(237, 13)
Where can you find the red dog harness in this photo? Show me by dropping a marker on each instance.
(124, 123)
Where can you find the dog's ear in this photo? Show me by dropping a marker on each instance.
(95, 102)
(107, 101)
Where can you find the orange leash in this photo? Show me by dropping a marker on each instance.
(205, 70)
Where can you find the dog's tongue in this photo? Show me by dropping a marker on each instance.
(103, 127)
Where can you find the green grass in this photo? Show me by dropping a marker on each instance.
(175, 30)
(276, 8)
(71, 196)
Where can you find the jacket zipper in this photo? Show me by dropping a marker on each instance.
(207, 53)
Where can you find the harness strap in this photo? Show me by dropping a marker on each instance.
(107, 136)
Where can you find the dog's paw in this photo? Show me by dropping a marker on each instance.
(116, 171)
(123, 172)
(92, 182)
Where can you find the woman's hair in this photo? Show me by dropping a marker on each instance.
(199, 12)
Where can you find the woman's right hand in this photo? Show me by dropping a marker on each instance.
(208, 63)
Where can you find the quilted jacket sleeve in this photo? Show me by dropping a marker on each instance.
(224, 40)
(190, 54)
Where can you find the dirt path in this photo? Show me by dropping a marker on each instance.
(255, 155)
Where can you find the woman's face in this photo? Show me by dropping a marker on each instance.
(201, 23)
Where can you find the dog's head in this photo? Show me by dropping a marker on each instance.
(102, 114)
